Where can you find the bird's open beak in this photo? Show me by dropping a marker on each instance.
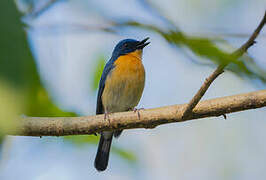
(143, 43)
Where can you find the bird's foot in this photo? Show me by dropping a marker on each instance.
(137, 110)
(106, 116)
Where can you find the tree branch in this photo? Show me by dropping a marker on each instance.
(220, 69)
(37, 10)
(150, 118)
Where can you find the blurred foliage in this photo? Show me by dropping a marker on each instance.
(40, 104)
(21, 91)
(25, 6)
(127, 155)
(10, 107)
(33, 7)
(85, 140)
(97, 72)
(82, 139)
(206, 48)
(19, 70)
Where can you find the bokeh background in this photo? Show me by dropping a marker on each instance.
(52, 53)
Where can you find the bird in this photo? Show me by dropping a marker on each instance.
(120, 89)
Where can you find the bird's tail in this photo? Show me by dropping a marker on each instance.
(102, 156)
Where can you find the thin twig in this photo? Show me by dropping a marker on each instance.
(220, 69)
(37, 11)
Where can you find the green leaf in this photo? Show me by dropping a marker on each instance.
(82, 140)
(21, 91)
(126, 155)
(10, 108)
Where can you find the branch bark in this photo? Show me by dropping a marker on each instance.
(150, 118)
(220, 69)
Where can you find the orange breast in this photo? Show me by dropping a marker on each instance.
(125, 84)
(129, 65)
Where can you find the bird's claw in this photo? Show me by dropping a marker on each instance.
(137, 110)
(106, 116)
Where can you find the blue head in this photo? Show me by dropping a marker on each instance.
(127, 46)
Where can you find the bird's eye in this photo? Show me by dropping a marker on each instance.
(125, 45)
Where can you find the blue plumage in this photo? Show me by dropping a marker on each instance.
(108, 67)
(120, 89)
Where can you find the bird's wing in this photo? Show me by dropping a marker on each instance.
(108, 67)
